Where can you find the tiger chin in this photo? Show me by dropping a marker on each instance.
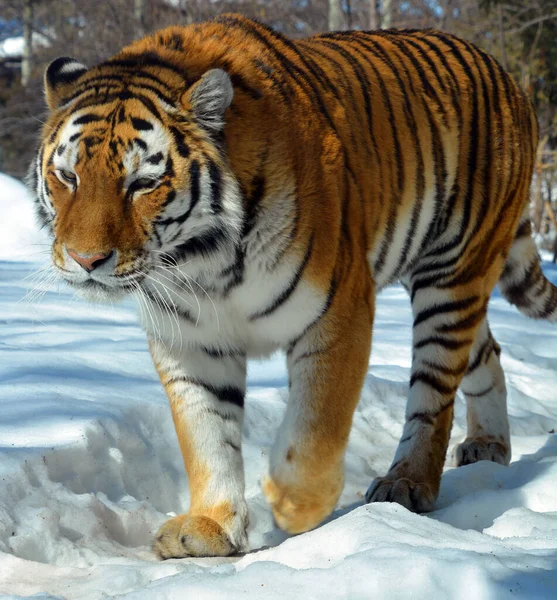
(254, 193)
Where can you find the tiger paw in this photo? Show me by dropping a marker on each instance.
(299, 509)
(472, 450)
(187, 535)
(415, 496)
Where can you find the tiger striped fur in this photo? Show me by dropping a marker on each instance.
(255, 193)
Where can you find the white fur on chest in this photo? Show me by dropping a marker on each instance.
(237, 320)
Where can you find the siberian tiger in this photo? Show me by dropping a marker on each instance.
(285, 183)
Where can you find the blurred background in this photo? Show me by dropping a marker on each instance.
(521, 34)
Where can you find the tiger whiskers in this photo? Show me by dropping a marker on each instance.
(188, 280)
(167, 306)
(145, 309)
(44, 277)
(165, 266)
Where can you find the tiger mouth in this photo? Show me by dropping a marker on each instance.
(98, 290)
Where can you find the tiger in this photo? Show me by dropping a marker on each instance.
(254, 193)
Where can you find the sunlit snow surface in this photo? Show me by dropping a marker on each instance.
(90, 465)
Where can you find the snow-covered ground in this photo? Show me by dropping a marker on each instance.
(90, 465)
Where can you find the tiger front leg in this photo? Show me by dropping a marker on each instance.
(206, 394)
(327, 366)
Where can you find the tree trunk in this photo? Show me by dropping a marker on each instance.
(502, 38)
(335, 15)
(139, 17)
(387, 14)
(349, 14)
(538, 197)
(446, 13)
(27, 58)
(374, 16)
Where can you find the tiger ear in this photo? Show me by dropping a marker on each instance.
(59, 77)
(209, 98)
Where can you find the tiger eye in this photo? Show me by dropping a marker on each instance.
(68, 176)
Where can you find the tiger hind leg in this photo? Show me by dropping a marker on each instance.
(483, 385)
(446, 319)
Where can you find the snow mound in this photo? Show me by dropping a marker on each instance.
(20, 236)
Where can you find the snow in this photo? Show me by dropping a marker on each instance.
(13, 47)
(90, 465)
(19, 238)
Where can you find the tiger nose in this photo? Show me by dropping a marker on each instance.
(90, 262)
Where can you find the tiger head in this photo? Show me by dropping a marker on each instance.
(131, 174)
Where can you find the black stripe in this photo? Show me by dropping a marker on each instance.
(271, 74)
(226, 393)
(517, 292)
(283, 297)
(239, 82)
(235, 271)
(455, 372)
(423, 417)
(140, 143)
(204, 245)
(432, 382)
(524, 229)
(194, 198)
(429, 417)
(181, 146)
(257, 193)
(182, 312)
(145, 59)
(224, 417)
(479, 394)
(141, 124)
(436, 266)
(448, 344)
(234, 447)
(485, 350)
(169, 169)
(445, 307)
(170, 197)
(88, 118)
(216, 187)
(155, 159)
(149, 105)
(221, 352)
(54, 132)
(326, 306)
(467, 322)
(194, 184)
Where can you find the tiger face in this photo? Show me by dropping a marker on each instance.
(130, 181)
